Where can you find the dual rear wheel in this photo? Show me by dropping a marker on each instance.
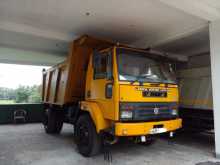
(87, 139)
(53, 121)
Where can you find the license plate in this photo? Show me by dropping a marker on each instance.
(158, 130)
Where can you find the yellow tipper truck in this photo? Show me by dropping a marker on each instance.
(109, 90)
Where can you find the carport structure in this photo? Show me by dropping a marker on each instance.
(38, 32)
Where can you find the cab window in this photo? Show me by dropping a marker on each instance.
(102, 65)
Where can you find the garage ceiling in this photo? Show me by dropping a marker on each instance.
(189, 45)
(49, 25)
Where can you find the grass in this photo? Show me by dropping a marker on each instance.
(7, 101)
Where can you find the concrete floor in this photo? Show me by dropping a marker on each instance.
(29, 145)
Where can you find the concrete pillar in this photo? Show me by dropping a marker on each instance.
(214, 30)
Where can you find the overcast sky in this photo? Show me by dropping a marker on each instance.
(11, 75)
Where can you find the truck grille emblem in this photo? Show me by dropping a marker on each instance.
(156, 111)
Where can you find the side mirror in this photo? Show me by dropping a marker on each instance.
(108, 90)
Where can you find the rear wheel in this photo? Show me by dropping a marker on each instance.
(87, 139)
(53, 121)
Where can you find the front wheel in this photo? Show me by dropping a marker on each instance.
(87, 139)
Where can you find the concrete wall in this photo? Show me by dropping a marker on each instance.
(214, 29)
(196, 100)
(195, 88)
(34, 112)
(197, 61)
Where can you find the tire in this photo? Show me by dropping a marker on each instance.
(59, 121)
(53, 121)
(87, 139)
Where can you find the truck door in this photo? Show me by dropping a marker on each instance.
(101, 89)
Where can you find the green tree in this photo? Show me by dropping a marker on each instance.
(35, 94)
(22, 94)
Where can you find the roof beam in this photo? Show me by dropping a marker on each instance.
(18, 56)
(198, 8)
(169, 38)
(175, 57)
(49, 34)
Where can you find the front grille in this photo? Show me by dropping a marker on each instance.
(151, 111)
(154, 94)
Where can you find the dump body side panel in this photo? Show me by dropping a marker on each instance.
(77, 65)
(65, 82)
(54, 84)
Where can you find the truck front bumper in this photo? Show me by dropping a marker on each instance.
(147, 128)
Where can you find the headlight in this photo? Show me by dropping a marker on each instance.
(174, 112)
(126, 115)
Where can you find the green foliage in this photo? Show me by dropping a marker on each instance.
(7, 101)
(23, 94)
(35, 95)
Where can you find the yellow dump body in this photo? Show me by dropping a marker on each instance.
(65, 83)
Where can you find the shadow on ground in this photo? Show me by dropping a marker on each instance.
(29, 145)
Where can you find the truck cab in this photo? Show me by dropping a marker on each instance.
(126, 92)
(135, 90)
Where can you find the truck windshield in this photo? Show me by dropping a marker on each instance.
(135, 66)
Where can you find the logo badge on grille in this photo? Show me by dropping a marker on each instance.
(156, 111)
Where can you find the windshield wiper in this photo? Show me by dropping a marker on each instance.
(137, 80)
(148, 79)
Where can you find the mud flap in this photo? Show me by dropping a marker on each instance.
(106, 147)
